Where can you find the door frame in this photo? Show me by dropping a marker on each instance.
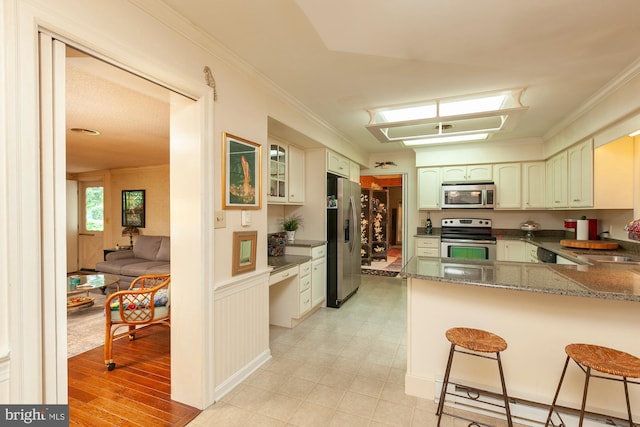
(405, 205)
(49, 384)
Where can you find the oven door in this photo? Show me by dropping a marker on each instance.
(468, 249)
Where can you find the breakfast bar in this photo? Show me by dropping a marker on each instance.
(538, 309)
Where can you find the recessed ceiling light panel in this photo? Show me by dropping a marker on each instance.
(479, 114)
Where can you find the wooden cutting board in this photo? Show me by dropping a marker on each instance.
(588, 244)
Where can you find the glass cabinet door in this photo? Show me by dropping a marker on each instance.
(277, 172)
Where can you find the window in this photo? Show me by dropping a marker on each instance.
(94, 208)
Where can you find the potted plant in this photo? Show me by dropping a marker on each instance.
(290, 224)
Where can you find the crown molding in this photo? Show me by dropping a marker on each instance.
(625, 76)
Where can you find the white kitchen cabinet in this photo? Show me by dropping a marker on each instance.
(533, 185)
(305, 288)
(510, 250)
(428, 246)
(290, 295)
(557, 181)
(278, 156)
(296, 179)
(286, 174)
(318, 268)
(508, 189)
(354, 172)
(318, 281)
(580, 159)
(467, 173)
(429, 188)
(338, 164)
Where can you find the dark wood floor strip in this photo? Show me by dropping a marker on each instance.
(136, 393)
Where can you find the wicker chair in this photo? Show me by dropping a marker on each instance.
(145, 303)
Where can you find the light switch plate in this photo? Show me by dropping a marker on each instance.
(220, 219)
(246, 218)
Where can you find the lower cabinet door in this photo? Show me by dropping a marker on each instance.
(305, 301)
(318, 281)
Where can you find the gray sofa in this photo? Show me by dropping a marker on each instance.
(150, 255)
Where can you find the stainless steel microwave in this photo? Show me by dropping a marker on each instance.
(469, 196)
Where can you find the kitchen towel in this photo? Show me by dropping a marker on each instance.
(582, 230)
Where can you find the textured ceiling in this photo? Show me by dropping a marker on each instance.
(131, 114)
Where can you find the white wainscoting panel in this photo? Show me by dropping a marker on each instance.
(241, 329)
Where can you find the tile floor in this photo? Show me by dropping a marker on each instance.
(340, 367)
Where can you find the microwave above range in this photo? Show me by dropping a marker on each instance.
(468, 196)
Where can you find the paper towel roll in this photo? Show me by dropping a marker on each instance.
(582, 229)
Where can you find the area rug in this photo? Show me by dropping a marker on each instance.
(386, 273)
(85, 326)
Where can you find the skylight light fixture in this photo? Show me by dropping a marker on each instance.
(428, 122)
(474, 105)
(410, 113)
(636, 133)
(444, 139)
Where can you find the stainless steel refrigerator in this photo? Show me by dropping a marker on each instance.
(343, 239)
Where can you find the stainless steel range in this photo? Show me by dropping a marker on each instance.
(467, 238)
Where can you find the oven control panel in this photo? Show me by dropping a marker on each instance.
(466, 222)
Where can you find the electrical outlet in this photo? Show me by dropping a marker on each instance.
(220, 219)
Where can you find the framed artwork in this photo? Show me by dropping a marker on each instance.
(133, 212)
(244, 252)
(241, 173)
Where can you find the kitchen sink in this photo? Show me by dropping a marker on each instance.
(612, 258)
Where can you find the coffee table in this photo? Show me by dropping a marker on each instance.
(87, 283)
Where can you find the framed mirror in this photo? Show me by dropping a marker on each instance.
(244, 252)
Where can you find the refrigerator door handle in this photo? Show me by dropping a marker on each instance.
(351, 224)
(347, 228)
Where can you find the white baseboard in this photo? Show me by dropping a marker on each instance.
(242, 374)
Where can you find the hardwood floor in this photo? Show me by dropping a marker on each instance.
(136, 393)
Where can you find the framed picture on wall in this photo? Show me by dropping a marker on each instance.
(133, 211)
(241, 173)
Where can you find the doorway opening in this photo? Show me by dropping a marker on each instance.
(382, 227)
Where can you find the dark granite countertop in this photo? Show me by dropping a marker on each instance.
(306, 243)
(604, 281)
(285, 261)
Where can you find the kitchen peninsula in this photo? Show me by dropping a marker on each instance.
(538, 309)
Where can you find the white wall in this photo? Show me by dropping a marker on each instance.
(173, 54)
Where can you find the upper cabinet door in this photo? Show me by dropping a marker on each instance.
(557, 183)
(337, 164)
(429, 188)
(581, 175)
(479, 173)
(277, 173)
(454, 174)
(296, 175)
(467, 173)
(507, 178)
(533, 185)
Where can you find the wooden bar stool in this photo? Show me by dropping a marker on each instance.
(478, 341)
(601, 359)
